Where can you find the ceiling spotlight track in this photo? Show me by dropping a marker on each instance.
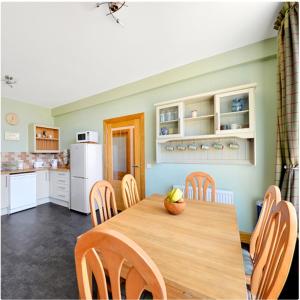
(113, 8)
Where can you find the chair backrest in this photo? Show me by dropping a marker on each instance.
(130, 192)
(274, 260)
(103, 194)
(271, 199)
(115, 248)
(200, 182)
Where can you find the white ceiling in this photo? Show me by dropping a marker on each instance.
(61, 52)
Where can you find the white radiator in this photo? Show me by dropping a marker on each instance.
(223, 196)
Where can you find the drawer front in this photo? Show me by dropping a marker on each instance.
(60, 175)
(62, 196)
(61, 181)
(61, 188)
(60, 178)
(60, 185)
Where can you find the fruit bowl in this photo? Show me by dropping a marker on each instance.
(174, 208)
(174, 202)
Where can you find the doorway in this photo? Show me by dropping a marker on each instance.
(124, 152)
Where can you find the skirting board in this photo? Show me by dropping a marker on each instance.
(42, 201)
(4, 211)
(245, 237)
(59, 202)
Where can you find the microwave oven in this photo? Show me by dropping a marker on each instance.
(87, 137)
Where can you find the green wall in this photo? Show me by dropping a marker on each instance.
(251, 64)
(27, 114)
(248, 182)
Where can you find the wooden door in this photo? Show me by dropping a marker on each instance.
(124, 152)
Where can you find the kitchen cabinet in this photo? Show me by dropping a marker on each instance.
(44, 139)
(60, 187)
(169, 120)
(42, 184)
(235, 112)
(4, 192)
(49, 185)
(215, 127)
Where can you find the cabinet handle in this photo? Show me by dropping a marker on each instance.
(64, 196)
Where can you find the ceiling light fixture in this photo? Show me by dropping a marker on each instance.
(113, 8)
(9, 80)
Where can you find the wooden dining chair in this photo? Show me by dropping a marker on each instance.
(271, 199)
(200, 182)
(115, 248)
(130, 192)
(102, 194)
(274, 260)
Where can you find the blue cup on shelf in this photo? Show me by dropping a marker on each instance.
(164, 131)
(238, 104)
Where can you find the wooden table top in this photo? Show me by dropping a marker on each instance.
(198, 252)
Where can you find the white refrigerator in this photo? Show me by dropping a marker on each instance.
(86, 169)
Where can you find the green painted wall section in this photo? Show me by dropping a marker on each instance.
(253, 63)
(249, 53)
(27, 113)
(248, 182)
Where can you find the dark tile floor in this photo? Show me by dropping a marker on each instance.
(37, 247)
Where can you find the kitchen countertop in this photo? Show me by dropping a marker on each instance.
(35, 170)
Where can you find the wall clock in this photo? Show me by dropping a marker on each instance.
(12, 118)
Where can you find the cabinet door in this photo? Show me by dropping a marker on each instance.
(234, 112)
(42, 184)
(4, 191)
(169, 120)
(53, 180)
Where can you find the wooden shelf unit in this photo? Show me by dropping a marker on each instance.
(217, 118)
(199, 117)
(235, 113)
(44, 139)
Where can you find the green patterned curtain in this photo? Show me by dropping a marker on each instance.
(287, 164)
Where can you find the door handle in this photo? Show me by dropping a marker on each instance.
(135, 166)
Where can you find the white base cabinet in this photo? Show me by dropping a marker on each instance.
(60, 186)
(4, 193)
(42, 184)
(51, 186)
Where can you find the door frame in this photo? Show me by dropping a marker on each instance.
(140, 117)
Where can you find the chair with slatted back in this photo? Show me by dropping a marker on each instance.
(200, 182)
(115, 248)
(130, 192)
(273, 262)
(271, 199)
(103, 194)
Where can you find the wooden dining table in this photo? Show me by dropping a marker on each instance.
(197, 252)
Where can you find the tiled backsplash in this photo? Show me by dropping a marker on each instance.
(28, 158)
